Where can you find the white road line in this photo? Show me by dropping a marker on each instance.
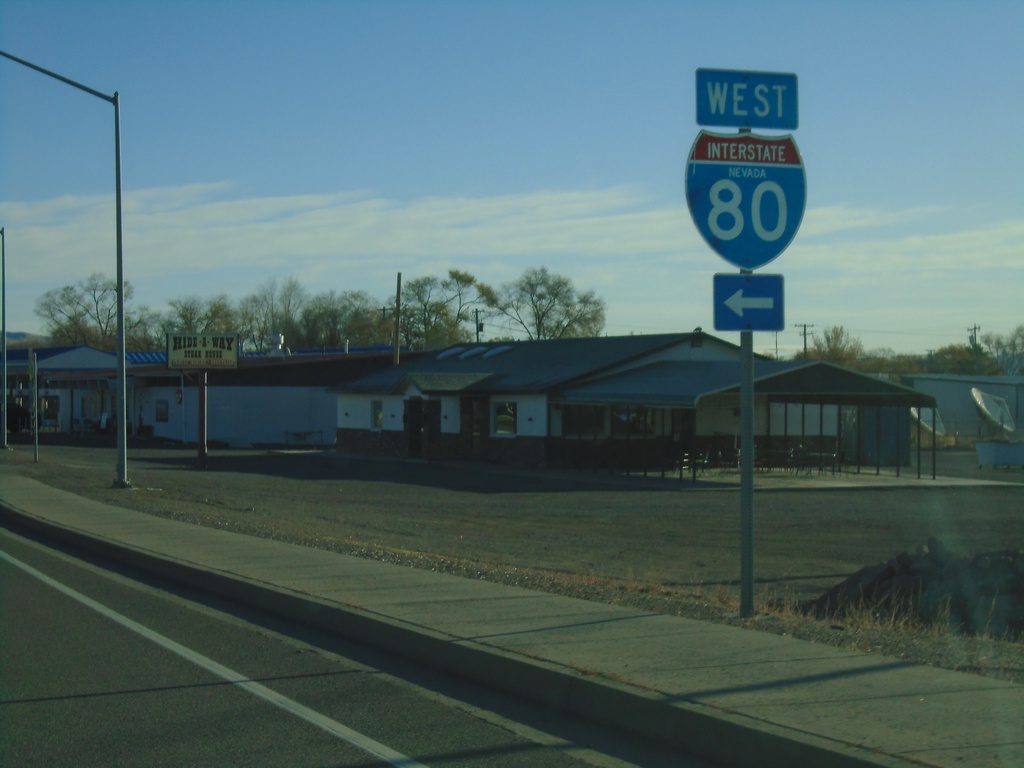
(332, 727)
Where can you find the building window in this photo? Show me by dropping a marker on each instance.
(584, 420)
(630, 422)
(163, 409)
(505, 418)
(376, 414)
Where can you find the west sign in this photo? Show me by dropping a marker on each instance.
(733, 98)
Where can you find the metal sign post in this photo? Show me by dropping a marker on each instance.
(746, 473)
(202, 450)
(746, 194)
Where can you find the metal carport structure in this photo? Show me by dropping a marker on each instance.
(684, 386)
(819, 383)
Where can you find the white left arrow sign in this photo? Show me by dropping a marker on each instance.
(737, 303)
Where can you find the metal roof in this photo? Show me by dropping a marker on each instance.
(444, 382)
(20, 354)
(819, 382)
(145, 358)
(521, 367)
(683, 384)
(671, 384)
(79, 357)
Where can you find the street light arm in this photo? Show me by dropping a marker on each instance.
(63, 79)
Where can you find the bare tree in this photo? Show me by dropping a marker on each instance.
(254, 323)
(548, 306)
(465, 294)
(272, 309)
(427, 321)
(291, 297)
(330, 319)
(85, 313)
(437, 312)
(1008, 350)
(193, 314)
(835, 345)
(963, 360)
(143, 331)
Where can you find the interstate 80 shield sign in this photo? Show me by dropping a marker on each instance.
(746, 194)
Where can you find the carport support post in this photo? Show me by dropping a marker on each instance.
(935, 438)
(35, 404)
(201, 433)
(746, 474)
(919, 445)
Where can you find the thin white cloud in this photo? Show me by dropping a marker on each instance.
(997, 246)
(837, 219)
(643, 257)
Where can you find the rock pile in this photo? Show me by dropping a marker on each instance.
(976, 595)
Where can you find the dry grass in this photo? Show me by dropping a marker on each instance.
(665, 548)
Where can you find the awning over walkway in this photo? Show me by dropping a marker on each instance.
(684, 384)
(827, 384)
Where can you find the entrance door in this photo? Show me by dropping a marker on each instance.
(479, 424)
(414, 427)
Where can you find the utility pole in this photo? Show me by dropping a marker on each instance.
(398, 320)
(973, 331)
(479, 325)
(804, 333)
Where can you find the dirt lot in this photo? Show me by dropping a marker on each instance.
(660, 544)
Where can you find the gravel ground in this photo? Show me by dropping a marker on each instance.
(661, 545)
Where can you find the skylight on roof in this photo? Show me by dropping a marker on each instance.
(472, 352)
(497, 351)
(445, 354)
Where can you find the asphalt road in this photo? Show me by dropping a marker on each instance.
(79, 685)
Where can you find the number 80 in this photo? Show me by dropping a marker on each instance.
(732, 207)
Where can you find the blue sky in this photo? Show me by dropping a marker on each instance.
(343, 142)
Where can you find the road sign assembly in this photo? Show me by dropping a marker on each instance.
(746, 194)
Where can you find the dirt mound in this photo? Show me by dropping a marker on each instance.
(978, 595)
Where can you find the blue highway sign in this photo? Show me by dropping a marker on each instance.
(746, 194)
(749, 302)
(736, 99)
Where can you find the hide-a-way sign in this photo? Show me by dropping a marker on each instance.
(748, 302)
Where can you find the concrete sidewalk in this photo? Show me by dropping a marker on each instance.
(733, 696)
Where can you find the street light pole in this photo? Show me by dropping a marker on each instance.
(3, 296)
(120, 424)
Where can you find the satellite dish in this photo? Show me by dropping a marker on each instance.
(994, 409)
(923, 416)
